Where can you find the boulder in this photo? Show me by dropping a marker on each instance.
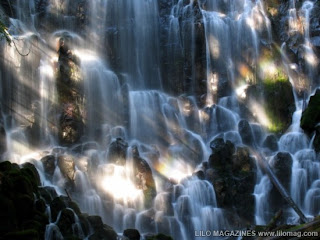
(159, 236)
(221, 156)
(49, 165)
(117, 152)
(66, 222)
(281, 165)
(143, 177)
(311, 115)
(245, 132)
(132, 234)
(56, 206)
(67, 166)
(271, 142)
(104, 234)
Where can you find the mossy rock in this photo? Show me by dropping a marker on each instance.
(29, 234)
(56, 206)
(159, 236)
(311, 115)
(5, 166)
(66, 221)
(8, 221)
(74, 206)
(47, 193)
(21, 183)
(279, 103)
(104, 234)
(32, 224)
(40, 205)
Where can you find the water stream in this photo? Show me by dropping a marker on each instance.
(119, 74)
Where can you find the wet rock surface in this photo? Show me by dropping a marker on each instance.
(23, 209)
(143, 177)
(117, 152)
(232, 171)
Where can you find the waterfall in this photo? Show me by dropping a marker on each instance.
(129, 106)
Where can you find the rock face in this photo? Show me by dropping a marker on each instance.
(3, 142)
(276, 94)
(49, 165)
(271, 143)
(184, 58)
(310, 119)
(20, 217)
(71, 96)
(245, 132)
(132, 234)
(117, 152)
(143, 177)
(232, 173)
(67, 167)
(23, 209)
(281, 164)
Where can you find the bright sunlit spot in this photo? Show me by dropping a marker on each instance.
(241, 91)
(214, 47)
(117, 183)
(86, 55)
(260, 114)
(174, 169)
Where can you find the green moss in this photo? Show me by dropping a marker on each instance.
(4, 33)
(8, 219)
(29, 234)
(279, 103)
(5, 166)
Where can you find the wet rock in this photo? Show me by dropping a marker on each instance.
(49, 165)
(30, 169)
(95, 222)
(311, 115)
(48, 193)
(146, 221)
(71, 127)
(117, 152)
(281, 164)
(132, 234)
(67, 166)
(3, 141)
(163, 203)
(159, 236)
(276, 94)
(221, 156)
(199, 174)
(245, 132)
(18, 208)
(66, 222)
(242, 161)
(271, 142)
(102, 231)
(282, 167)
(143, 177)
(104, 234)
(232, 173)
(40, 205)
(56, 206)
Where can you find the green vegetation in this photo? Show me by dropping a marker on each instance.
(279, 102)
(4, 33)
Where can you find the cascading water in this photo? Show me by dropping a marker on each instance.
(92, 81)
